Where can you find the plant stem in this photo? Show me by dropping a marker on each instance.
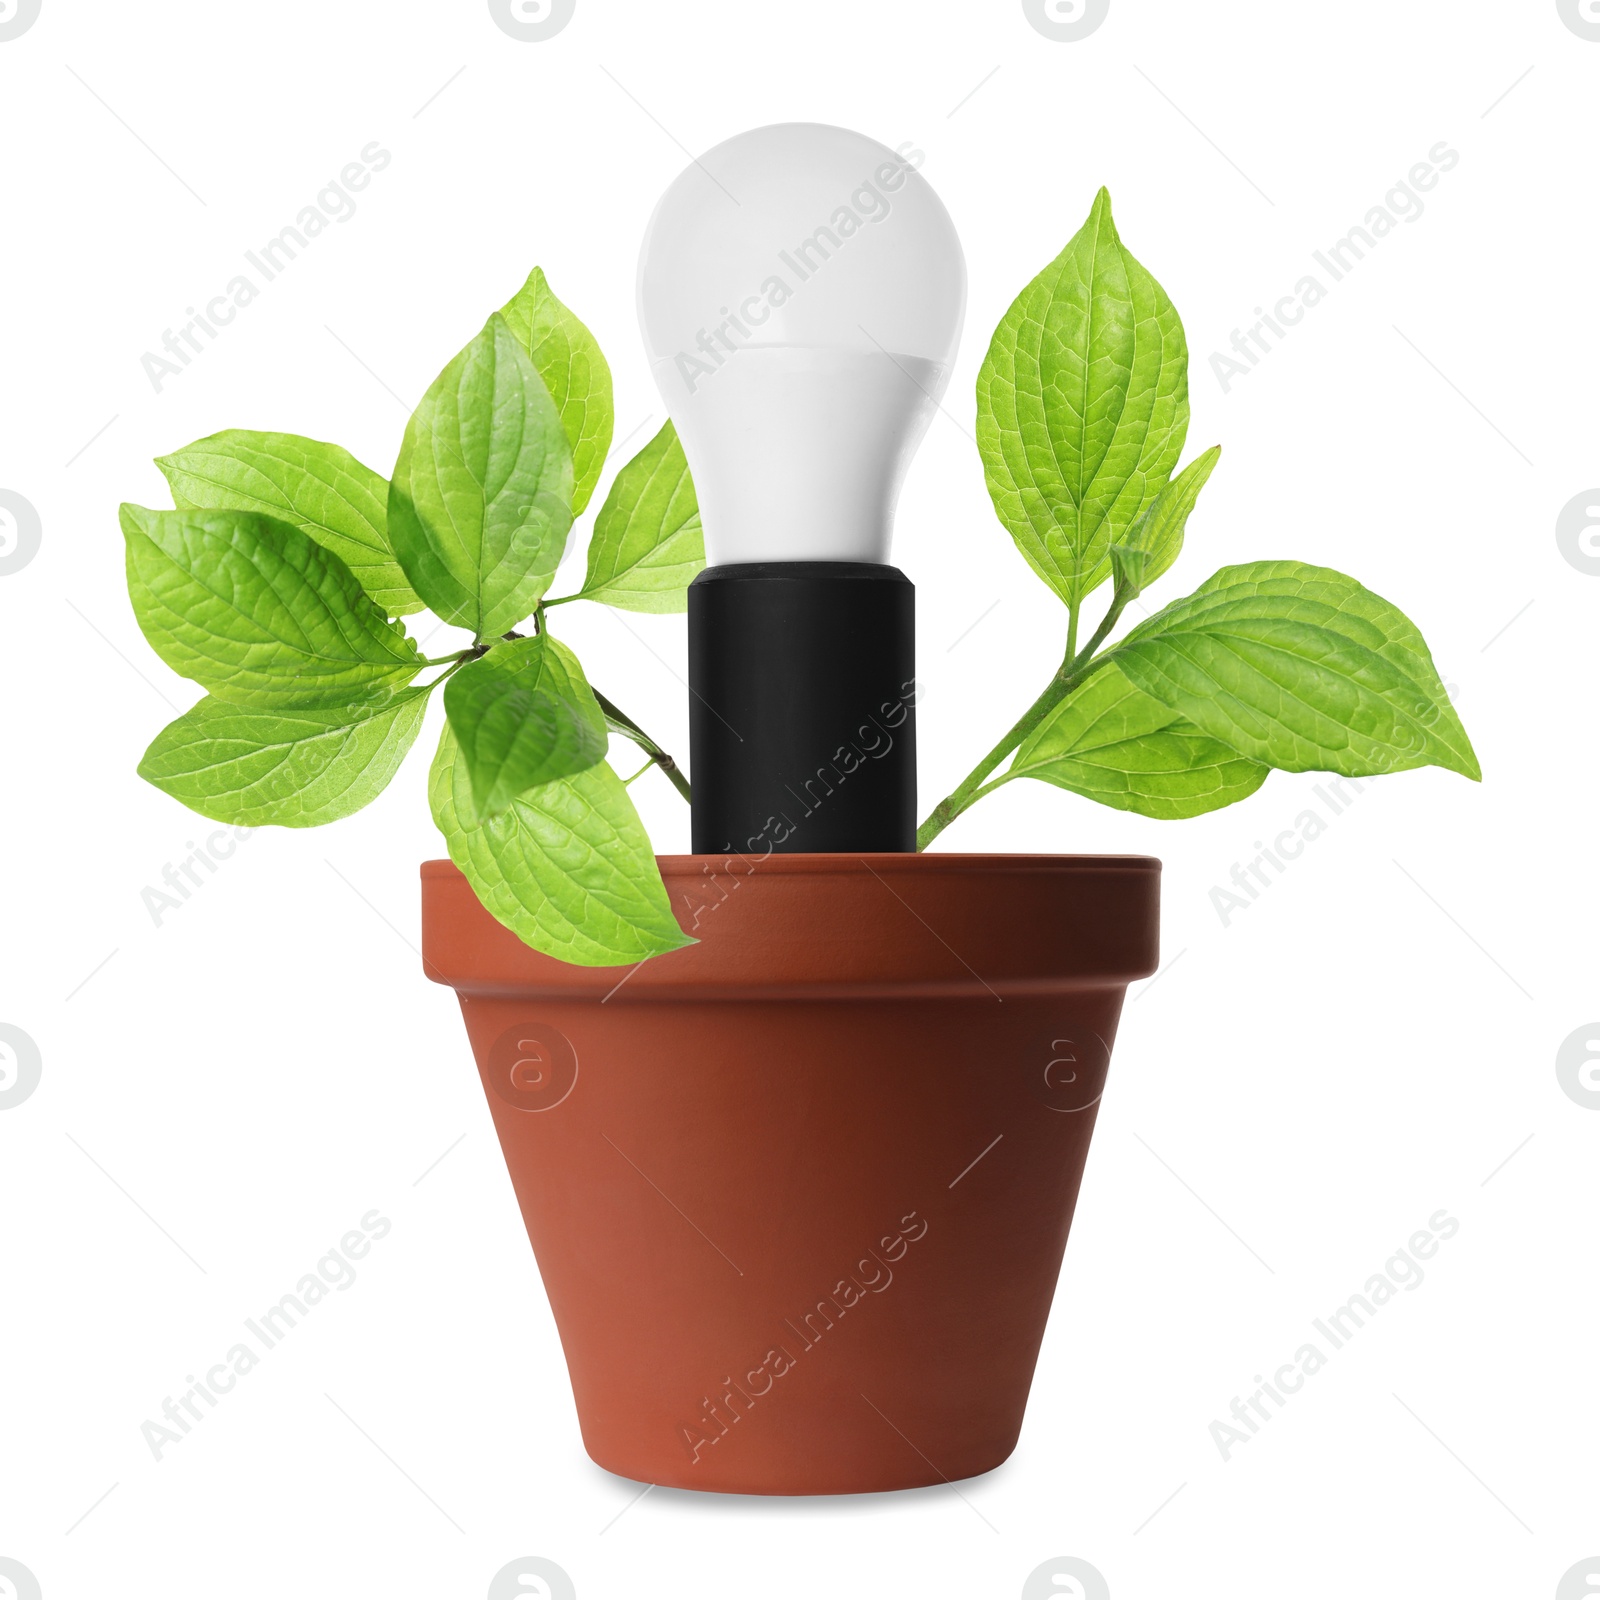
(625, 725)
(1073, 670)
(456, 664)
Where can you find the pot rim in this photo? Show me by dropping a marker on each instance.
(835, 926)
(878, 861)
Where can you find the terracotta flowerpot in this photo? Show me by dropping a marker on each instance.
(799, 1193)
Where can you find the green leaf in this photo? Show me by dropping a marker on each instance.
(1127, 568)
(575, 373)
(523, 715)
(481, 501)
(295, 768)
(1111, 742)
(1302, 668)
(1083, 403)
(256, 610)
(566, 867)
(647, 543)
(1159, 532)
(319, 488)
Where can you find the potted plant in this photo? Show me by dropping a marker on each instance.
(797, 1138)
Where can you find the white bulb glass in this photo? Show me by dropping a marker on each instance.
(801, 292)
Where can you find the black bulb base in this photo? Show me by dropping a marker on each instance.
(802, 717)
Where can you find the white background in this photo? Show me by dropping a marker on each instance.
(1374, 1039)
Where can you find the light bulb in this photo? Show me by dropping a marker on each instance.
(801, 291)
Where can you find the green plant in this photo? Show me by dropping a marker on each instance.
(278, 582)
(1083, 404)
